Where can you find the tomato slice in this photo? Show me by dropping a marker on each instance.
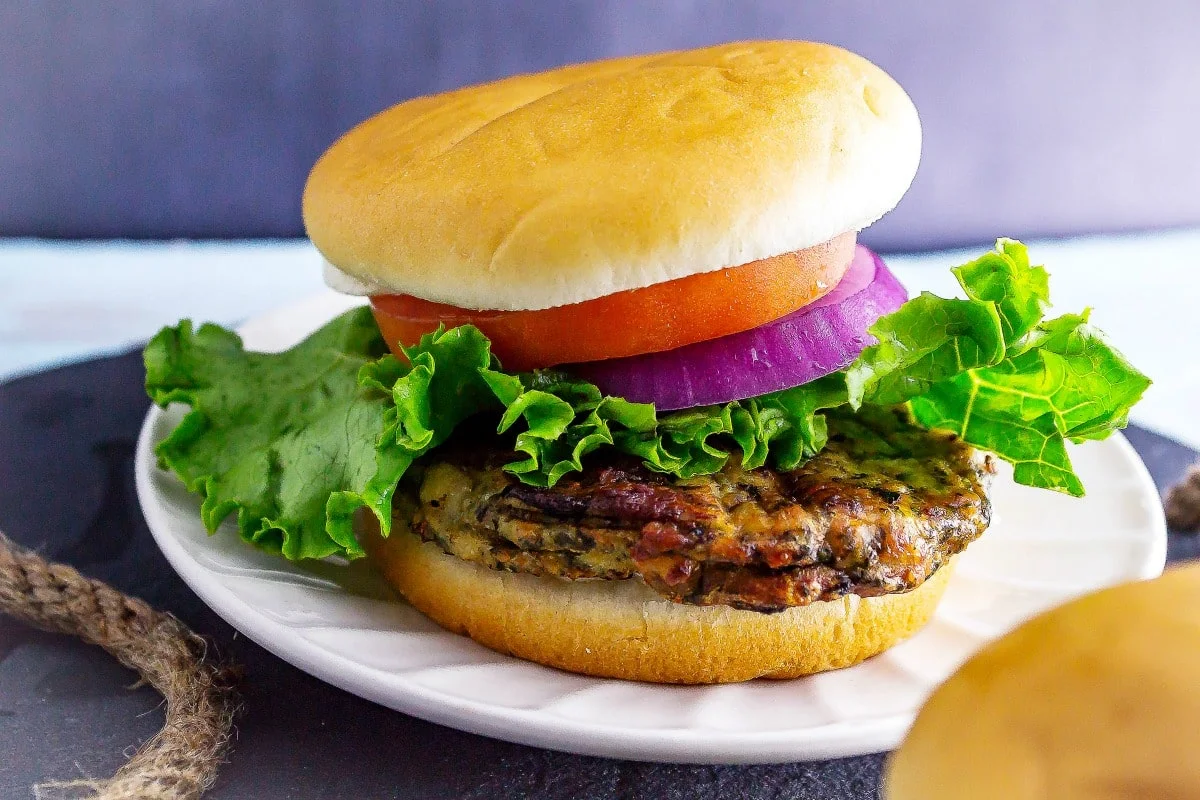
(653, 319)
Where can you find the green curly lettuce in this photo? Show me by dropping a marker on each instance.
(295, 443)
(994, 371)
(565, 419)
(1067, 383)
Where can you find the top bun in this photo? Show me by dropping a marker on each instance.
(1097, 699)
(563, 186)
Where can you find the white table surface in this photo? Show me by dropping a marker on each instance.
(61, 302)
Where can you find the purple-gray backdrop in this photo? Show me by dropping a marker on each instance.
(161, 119)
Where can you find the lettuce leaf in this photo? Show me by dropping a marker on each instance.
(295, 442)
(993, 371)
(275, 438)
(1020, 292)
(926, 340)
(1067, 383)
(565, 419)
(931, 339)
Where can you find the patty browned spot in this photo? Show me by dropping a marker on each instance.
(877, 511)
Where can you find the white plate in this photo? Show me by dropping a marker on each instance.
(343, 626)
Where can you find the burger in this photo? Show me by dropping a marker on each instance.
(628, 398)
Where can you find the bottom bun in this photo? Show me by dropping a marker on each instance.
(623, 629)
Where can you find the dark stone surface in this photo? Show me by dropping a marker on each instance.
(66, 488)
(160, 119)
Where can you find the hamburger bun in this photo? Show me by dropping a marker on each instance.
(622, 629)
(1097, 699)
(563, 186)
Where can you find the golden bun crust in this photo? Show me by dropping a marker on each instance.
(622, 629)
(1097, 698)
(563, 186)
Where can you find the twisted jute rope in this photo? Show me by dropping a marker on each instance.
(182, 759)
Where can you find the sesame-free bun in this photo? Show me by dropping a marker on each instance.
(563, 186)
(1099, 698)
(622, 629)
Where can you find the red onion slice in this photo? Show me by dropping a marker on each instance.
(820, 338)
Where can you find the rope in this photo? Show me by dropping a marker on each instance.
(1183, 502)
(181, 760)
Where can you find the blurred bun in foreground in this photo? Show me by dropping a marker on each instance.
(1097, 699)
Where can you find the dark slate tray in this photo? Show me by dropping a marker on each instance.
(66, 488)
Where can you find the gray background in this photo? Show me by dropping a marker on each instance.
(149, 118)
